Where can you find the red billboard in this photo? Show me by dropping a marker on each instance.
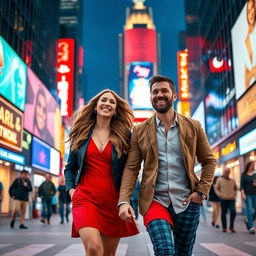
(65, 75)
(140, 45)
(183, 82)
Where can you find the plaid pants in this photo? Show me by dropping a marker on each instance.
(184, 232)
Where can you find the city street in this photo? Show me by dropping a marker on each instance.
(54, 240)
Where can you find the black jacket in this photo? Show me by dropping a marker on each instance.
(47, 190)
(20, 189)
(74, 166)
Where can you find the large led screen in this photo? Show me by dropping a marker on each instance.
(244, 48)
(138, 85)
(13, 75)
(42, 113)
(40, 155)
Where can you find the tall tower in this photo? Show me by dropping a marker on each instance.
(138, 55)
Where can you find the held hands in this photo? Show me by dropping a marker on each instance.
(126, 212)
(71, 192)
(194, 197)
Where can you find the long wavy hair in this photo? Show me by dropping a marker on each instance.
(248, 167)
(85, 119)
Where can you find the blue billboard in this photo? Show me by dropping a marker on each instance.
(138, 85)
(40, 155)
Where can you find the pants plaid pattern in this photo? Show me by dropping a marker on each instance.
(160, 232)
(184, 232)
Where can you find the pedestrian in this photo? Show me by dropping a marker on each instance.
(63, 201)
(19, 191)
(215, 203)
(54, 203)
(46, 191)
(226, 190)
(168, 143)
(99, 140)
(248, 191)
(134, 199)
(1, 196)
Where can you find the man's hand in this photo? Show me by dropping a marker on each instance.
(126, 212)
(194, 197)
(71, 192)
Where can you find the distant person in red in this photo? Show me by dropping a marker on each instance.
(99, 139)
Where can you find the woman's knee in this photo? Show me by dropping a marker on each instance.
(94, 249)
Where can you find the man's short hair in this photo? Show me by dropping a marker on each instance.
(159, 78)
(24, 171)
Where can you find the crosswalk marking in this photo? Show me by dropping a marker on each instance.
(253, 244)
(122, 250)
(78, 250)
(29, 250)
(72, 250)
(221, 249)
(4, 245)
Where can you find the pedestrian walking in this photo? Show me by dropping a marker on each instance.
(248, 191)
(19, 191)
(46, 191)
(135, 199)
(226, 190)
(99, 140)
(64, 202)
(1, 196)
(168, 143)
(215, 203)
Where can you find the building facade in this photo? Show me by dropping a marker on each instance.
(29, 108)
(227, 62)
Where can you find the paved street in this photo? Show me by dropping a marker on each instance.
(54, 240)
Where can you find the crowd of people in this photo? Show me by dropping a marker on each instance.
(101, 177)
(19, 192)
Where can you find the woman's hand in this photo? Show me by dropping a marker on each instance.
(71, 192)
(126, 212)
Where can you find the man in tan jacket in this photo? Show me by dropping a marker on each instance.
(170, 194)
(226, 190)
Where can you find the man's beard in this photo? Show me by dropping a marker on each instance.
(165, 108)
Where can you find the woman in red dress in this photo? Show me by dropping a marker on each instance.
(99, 140)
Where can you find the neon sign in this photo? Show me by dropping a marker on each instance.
(182, 57)
(65, 75)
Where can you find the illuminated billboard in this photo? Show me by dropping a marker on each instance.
(42, 114)
(65, 75)
(45, 157)
(13, 75)
(11, 125)
(244, 49)
(40, 155)
(140, 45)
(138, 85)
(183, 82)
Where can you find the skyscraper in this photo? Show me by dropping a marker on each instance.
(138, 55)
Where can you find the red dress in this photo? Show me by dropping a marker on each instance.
(94, 203)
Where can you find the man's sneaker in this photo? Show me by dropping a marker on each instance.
(232, 230)
(12, 223)
(246, 223)
(42, 220)
(252, 231)
(22, 226)
(224, 230)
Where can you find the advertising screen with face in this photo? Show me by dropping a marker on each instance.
(13, 75)
(244, 48)
(138, 85)
(42, 113)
